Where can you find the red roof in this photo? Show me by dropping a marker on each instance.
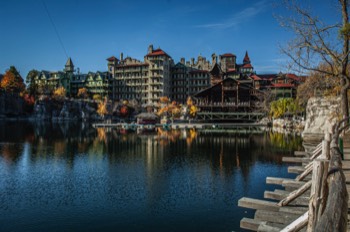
(112, 58)
(268, 77)
(247, 66)
(281, 85)
(292, 76)
(158, 52)
(255, 77)
(227, 55)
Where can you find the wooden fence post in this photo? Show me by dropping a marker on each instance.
(326, 146)
(334, 217)
(318, 194)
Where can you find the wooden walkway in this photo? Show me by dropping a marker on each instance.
(278, 210)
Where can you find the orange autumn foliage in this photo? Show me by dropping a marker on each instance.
(59, 93)
(12, 83)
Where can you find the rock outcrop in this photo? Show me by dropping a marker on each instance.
(320, 114)
(67, 110)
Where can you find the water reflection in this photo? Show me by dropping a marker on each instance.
(70, 176)
(66, 141)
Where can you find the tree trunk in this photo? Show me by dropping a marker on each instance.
(345, 61)
(344, 99)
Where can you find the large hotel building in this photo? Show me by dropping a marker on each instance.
(157, 76)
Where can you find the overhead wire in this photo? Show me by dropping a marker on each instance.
(55, 28)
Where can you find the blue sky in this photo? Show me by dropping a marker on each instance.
(92, 31)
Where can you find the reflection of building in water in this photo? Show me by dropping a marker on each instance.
(154, 154)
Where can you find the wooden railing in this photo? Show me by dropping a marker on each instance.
(328, 205)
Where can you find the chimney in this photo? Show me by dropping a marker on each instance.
(192, 61)
(121, 56)
(182, 60)
(150, 48)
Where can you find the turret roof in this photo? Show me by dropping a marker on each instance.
(69, 62)
(246, 58)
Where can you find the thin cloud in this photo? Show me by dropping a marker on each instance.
(239, 17)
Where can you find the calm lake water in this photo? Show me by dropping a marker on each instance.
(76, 178)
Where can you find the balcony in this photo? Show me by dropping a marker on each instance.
(157, 90)
(156, 83)
(156, 67)
(225, 104)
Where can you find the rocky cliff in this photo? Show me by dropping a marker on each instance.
(67, 110)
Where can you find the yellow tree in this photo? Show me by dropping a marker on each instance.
(59, 93)
(192, 109)
(82, 93)
(97, 97)
(102, 108)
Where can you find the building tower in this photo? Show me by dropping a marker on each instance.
(247, 66)
(68, 75)
(69, 67)
(228, 62)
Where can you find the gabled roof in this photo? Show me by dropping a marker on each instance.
(240, 85)
(44, 73)
(255, 77)
(215, 70)
(112, 58)
(158, 52)
(228, 55)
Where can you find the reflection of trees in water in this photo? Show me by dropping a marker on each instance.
(11, 152)
(223, 152)
(285, 141)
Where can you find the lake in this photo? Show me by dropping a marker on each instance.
(72, 177)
